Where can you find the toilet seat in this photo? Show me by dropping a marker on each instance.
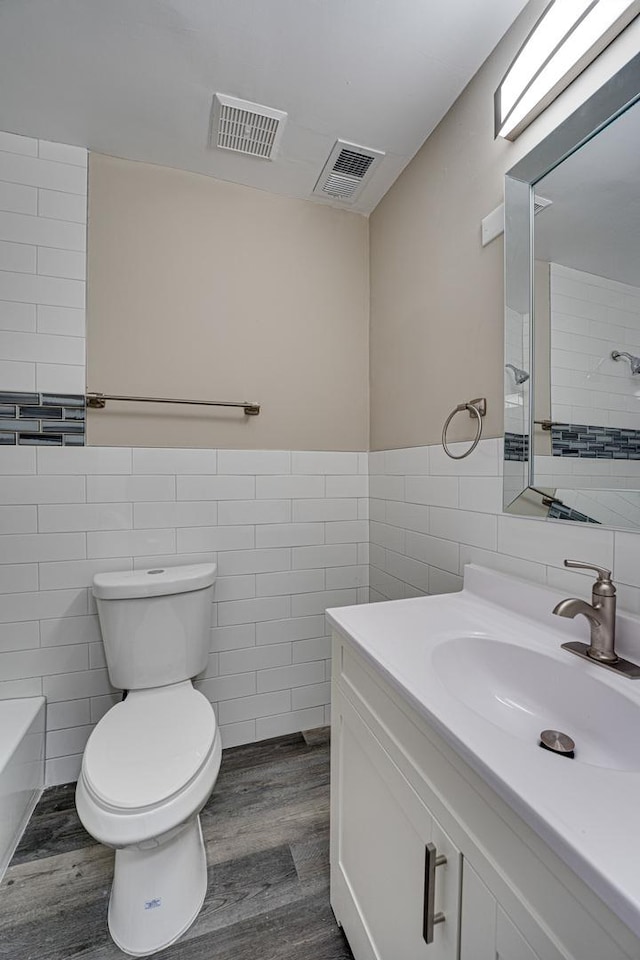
(149, 765)
(149, 747)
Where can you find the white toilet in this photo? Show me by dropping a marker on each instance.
(152, 761)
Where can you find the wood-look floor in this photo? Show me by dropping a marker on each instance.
(266, 828)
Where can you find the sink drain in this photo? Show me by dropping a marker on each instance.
(557, 742)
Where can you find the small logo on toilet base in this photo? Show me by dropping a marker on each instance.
(153, 904)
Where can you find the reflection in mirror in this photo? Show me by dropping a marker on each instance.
(584, 285)
(517, 377)
(587, 268)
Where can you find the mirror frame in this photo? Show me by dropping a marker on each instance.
(616, 96)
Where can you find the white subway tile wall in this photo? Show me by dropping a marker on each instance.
(43, 203)
(288, 530)
(68, 514)
(431, 515)
(587, 472)
(615, 508)
(590, 317)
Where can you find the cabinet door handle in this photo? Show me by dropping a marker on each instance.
(431, 860)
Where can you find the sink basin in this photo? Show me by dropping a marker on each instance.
(524, 692)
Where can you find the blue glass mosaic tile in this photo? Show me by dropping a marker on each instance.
(70, 426)
(516, 446)
(42, 419)
(12, 397)
(15, 426)
(40, 440)
(49, 412)
(62, 399)
(595, 443)
(558, 511)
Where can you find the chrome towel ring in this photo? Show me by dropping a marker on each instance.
(478, 409)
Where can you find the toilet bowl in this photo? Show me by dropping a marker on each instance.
(152, 761)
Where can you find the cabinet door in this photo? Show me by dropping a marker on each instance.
(383, 830)
(486, 932)
(478, 936)
(510, 944)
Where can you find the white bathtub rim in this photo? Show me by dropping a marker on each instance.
(24, 722)
(27, 715)
(7, 857)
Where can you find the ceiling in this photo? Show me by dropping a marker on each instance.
(135, 78)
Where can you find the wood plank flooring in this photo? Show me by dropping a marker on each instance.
(266, 829)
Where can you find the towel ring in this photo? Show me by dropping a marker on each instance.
(478, 409)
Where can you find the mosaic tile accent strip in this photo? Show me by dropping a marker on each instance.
(516, 446)
(558, 511)
(42, 419)
(595, 443)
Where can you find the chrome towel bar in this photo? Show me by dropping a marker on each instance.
(98, 401)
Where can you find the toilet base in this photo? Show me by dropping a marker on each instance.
(157, 892)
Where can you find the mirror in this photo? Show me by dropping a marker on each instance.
(572, 316)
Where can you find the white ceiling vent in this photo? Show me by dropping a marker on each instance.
(346, 171)
(245, 127)
(539, 204)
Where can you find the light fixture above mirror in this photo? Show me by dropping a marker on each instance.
(565, 40)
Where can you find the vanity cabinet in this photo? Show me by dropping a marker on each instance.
(397, 787)
(388, 839)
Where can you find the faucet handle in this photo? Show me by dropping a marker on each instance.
(604, 585)
(579, 565)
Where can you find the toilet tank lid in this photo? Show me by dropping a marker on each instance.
(154, 582)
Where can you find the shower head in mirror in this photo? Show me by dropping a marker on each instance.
(520, 376)
(634, 362)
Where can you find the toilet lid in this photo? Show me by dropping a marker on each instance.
(147, 748)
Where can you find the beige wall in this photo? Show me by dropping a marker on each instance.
(436, 294)
(205, 289)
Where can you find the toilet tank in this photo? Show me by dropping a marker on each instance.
(156, 623)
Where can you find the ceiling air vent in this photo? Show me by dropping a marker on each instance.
(346, 171)
(245, 127)
(539, 204)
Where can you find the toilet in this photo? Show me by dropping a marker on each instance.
(152, 761)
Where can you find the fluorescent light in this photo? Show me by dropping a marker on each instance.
(555, 23)
(568, 36)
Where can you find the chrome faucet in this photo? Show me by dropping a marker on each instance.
(601, 614)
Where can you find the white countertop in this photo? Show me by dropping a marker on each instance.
(588, 814)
